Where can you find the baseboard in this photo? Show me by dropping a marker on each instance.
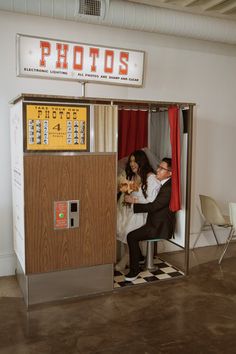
(8, 260)
(7, 264)
(207, 238)
(65, 284)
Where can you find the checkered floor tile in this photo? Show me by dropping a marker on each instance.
(164, 271)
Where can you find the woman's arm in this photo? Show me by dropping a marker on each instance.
(153, 188)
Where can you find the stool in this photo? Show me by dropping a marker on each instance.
(150, 253)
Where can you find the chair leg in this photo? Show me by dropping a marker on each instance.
(199, 234)
(150, 255)
(214, 234)
(229, 238)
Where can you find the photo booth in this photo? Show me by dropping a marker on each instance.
(64, 180)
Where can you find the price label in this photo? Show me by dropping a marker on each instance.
(61, 215)
(57, 127)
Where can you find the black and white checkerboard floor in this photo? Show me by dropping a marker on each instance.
(164, 271)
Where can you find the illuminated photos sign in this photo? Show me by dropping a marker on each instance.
(57, 59)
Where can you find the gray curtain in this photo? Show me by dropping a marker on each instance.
(159, 133)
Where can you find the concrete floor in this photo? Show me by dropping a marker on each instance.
(194, 314)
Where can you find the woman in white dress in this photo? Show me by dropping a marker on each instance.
(139, 171)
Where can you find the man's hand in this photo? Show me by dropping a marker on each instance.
(131, 200)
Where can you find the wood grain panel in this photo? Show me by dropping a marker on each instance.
(90, 179)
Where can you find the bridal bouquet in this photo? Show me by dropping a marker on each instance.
(127, 187)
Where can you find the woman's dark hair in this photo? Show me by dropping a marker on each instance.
(144, 168)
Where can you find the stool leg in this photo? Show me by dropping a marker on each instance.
(150, 256)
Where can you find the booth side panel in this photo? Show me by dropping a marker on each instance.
(17, 175)
(91, 179)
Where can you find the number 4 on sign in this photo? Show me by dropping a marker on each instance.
(57, 127)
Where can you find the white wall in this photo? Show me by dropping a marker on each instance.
(176, 69)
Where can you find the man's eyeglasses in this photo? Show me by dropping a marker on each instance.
(159, 167)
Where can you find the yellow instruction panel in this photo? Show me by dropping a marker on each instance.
(57, 127)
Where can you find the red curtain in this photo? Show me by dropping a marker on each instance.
(175, 202)
(132, 131)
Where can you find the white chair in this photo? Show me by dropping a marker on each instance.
(232, 215)
(213, 216)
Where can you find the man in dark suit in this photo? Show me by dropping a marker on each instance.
(160, 220)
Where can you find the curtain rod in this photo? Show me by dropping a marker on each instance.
(151, 108)
(104, 101)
